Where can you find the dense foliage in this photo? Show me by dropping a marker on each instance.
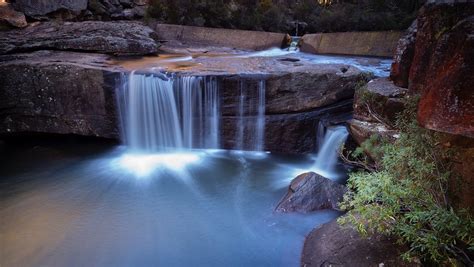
(282, 15)
(408, 196)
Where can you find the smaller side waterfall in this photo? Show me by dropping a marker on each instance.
(328, 153)
(260, 125)
(320, 135)
(250, 125)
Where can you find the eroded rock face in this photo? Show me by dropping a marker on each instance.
(118, 38)
(442, 68)
(311, 192)
(403, 57)
(334, 245)
(44, 7)
(40, 95)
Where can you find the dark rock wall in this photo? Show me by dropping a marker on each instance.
(57, 98)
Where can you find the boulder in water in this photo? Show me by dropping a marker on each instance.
(117, 38)
(310, 192)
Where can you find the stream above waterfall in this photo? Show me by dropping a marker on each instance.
(203, 62)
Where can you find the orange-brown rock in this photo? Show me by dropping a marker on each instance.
(442, 68)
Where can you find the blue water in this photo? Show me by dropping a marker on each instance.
(79, 205)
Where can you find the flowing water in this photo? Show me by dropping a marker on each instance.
(162, 113)
(328, 153)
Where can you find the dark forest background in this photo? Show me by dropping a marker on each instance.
(282, 15)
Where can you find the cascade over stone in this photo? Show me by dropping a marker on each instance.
(291, 129)
(118, 38)
(310, 192)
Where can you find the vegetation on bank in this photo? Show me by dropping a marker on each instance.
(407, 195)
(282, 15)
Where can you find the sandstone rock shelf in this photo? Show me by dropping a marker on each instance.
(85, 104)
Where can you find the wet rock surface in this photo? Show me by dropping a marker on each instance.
(117, 38)
(442, 68)
(311, 192)
(335, 245)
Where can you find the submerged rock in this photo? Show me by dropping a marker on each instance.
(118, 38)
(310, 192)
(335, 245)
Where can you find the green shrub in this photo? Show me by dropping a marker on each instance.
(407, 196)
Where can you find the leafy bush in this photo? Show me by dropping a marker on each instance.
(407, 197)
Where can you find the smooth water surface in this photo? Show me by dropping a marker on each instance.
(83, 205)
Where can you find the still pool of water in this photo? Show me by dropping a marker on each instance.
(80, 205)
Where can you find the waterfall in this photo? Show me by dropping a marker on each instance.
(328, 153)
(320, 135)
(169, 113)
(250, 128)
